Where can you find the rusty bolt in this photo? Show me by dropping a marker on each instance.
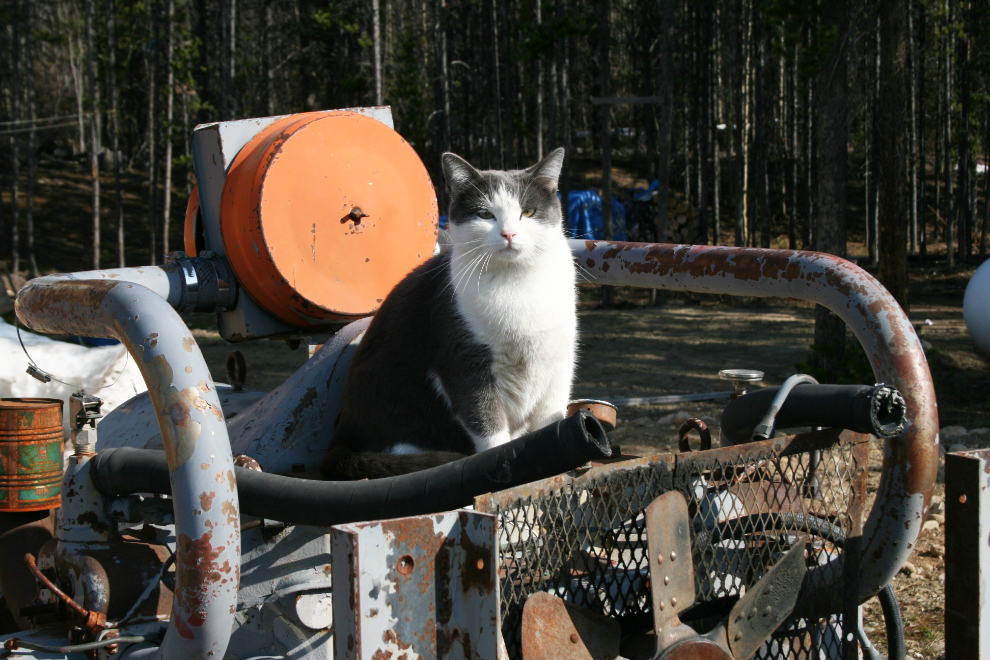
(405, 565)
(659, 559)
(738, 635)
(481, 564)
(355, 215)
(673, 602)
(769, 588)
(962, 498)
(574, 638)
(666, 579)
(673, 556)
(662, 605)
(768, 610)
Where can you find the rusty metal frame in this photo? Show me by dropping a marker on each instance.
(910, 462)
(196, 441)
(967, 554)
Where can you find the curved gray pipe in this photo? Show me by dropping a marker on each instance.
(910, 462)
(192, 426)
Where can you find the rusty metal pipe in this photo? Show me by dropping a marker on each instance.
(64, 597)
(910, 461)
(194, 433)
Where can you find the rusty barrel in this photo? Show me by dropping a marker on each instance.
(30, 454)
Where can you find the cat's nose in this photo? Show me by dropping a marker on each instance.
(509, 235)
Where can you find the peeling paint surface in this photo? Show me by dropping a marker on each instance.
(423, 587)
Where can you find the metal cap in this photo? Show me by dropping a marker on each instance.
(742, 375)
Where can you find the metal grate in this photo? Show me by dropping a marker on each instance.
(582, 536)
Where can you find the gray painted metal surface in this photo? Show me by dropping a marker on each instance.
(882, 328)
(967, 554)
(195, 437)
(425, 586)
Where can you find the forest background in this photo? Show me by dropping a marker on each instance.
(762, 114)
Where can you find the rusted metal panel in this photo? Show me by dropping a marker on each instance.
(967, 554)
(195, 437)
(882, 328)
(668, 529)
(553, 629)
(425, 587)
(30, 454)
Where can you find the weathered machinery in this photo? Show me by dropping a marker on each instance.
(194, 527)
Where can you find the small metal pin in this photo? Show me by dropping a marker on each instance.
(666, 579)
(738, 635)
(662, 605)
(659, 559)
(673, 556)
(673, 602)
(574, 638)
(768, 610)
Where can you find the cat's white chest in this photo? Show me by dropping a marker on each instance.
(528, 320)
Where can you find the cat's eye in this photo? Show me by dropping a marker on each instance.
(487, 215)
(528, 213)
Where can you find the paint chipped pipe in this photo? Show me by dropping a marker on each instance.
(191, 424)
(910, 462)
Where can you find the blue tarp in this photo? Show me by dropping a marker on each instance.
(584, 216)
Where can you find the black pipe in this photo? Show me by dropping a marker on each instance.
(552, 450)
(877, 409)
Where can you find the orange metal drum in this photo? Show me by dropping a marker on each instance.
(191, 227)
(323, 213)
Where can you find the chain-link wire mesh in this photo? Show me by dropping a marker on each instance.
(583, 538)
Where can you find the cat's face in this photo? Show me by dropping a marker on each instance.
(506, 216)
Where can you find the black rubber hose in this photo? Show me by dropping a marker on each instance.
(877, 409)
(896, 649)
(550, 451)
(736, 528)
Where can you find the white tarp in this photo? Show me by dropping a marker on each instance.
(86, 368)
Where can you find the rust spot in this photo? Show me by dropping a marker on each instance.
(231, 481)
(229, 510)
(590, 263)
(206, 500)
(188, 370)
(187, 344)
(219, 477)
(197, 573)
(204, 386)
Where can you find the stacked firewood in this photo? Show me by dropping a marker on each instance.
(682, 220)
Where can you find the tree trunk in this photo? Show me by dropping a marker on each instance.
(894, 180)
(150, 61)
(564, 105)
(872, 218)
(963, 190)
(114, 125)
(831, 138)
(739, 120)
(270, 63)
(376, 11)
(605, 27)
(32, 149)
(77, 83)
(758, 182)
(703, 127)
(15, 144)
(986, 181)
(169, 116)
(913, 80)
(922, 154)
(950, 250)
(94, 159)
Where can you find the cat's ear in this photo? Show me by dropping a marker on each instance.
(549, 168)
(457, 171)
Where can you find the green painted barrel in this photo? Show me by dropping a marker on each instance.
(30, 454)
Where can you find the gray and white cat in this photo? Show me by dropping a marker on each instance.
(475, 347)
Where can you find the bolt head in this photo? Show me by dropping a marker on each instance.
(673, 556)
(574, 638)
(666, 579)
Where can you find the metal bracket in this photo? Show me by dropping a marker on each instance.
(424, 586)
(554, 629)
